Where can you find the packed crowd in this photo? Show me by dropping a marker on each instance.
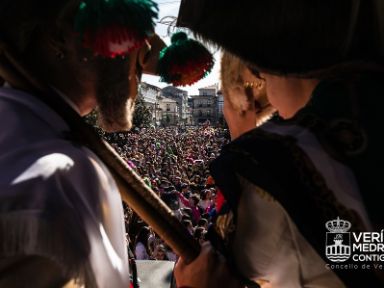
(174, 162)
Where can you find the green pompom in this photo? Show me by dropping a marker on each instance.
(184, 62)
(179, 36)
(115, 27)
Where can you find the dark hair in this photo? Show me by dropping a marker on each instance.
(142, 237)
(203, 194)
(161, 247)
(205, 216)
(171, 199)
(187, 212)
(288, 36)
(195, 198)
(187, 223)
(199, 233)
(202, 222)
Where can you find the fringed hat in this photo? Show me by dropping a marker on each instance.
(110, 29)
(290, 36)
(115, 27)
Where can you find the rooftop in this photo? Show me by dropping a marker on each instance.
(150, 86)
(213, 86)
(173, 89)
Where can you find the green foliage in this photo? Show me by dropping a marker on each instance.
(142, 117)
(91, 118)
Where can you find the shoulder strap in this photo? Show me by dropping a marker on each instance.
(277, 165)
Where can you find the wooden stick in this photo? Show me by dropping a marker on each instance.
(133, 190)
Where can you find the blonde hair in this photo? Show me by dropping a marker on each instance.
(234, 72)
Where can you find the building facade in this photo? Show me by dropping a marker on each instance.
(168, 112)
(220, 108)
(150, 94)
(181, 98)
(204, 106)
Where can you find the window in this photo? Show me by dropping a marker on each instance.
(168, 107)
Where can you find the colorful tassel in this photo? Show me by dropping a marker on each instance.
(115, 27)
(184, 62)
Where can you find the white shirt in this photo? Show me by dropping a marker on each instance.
(268, 245)
(57, 199)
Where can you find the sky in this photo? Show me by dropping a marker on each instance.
(171, 8)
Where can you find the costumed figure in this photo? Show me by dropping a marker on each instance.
(61, 216)
(318, 160)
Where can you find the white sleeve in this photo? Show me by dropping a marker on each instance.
(268, 246)
(259, 229)
(63, 205)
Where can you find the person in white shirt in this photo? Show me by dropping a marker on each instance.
(142, 244)
(61, 216)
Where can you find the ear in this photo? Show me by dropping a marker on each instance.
(257, 84)
(149, 54)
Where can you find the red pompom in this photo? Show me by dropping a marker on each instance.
(112, 41)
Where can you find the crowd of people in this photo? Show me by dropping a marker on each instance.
(174, 162)
(321, 64)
